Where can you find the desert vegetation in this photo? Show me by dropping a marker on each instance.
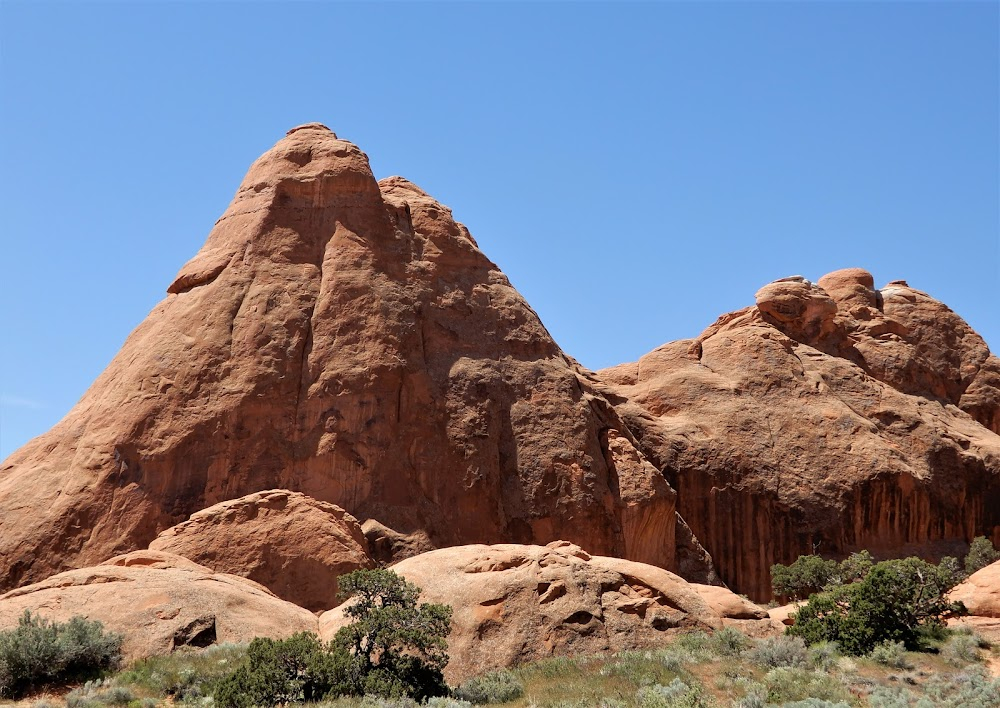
(866, 607)
(870, 634)
(724, 669)
(39, 652)
(392, 648)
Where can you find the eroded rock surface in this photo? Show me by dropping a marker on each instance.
(515, 603)
(827, 418)
(288, 542)
(159, 602)
(347, 339)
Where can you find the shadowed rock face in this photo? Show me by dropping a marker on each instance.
(827, 417)
(343, 338)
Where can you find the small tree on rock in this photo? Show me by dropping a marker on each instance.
(397, 647)
(394, 647)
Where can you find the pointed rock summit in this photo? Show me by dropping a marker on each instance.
(346, 339)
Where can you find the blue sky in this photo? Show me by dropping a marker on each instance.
(635, 169)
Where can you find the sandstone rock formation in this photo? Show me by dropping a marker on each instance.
(785, 614)
(343, 338)
(980, 592)
(514, 603)
(288, 542)
(159, 602)
(826, 418)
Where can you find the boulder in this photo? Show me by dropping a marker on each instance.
(159, 602)
(344, 338)
(823, 422)
(785, 614)
(288, 542)
(516, 603)
(980, 592)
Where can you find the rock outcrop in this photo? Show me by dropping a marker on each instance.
(980, 592)
(827, 418)
(346, 339)
(516, 603)
(159, 602)
(288, 542)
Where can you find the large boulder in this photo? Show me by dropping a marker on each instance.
(347, 339)
(159, 602)
(826, 418)
(288, 542)
(980, 592)
(516, 603)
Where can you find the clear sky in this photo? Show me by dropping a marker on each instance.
(635, 169)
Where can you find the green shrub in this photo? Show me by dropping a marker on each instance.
(493, 687)
(972, 687)
(186, 675)
(773, 652)
(892, 654)
(788, 683)
(962, 648)
(94, 694)
(38, 652)
(898, 600)
(754, 696)
(889, 697)
(981, 554)
(282, 671)
(676, 694)
(730, 642)
(674, 659)
(807, 575)
(824, 656)
(696, 646)
(855, 567)
(446, 702)
(393, 648)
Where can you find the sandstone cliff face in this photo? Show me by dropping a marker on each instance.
(516, 603)
(343, 338)
(288, 542)
(826, 418)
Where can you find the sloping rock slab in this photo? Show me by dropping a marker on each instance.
(160, 602)
(517, 603)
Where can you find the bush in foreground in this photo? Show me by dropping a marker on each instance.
(494, 687)
(394, 648)
(39, 652)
